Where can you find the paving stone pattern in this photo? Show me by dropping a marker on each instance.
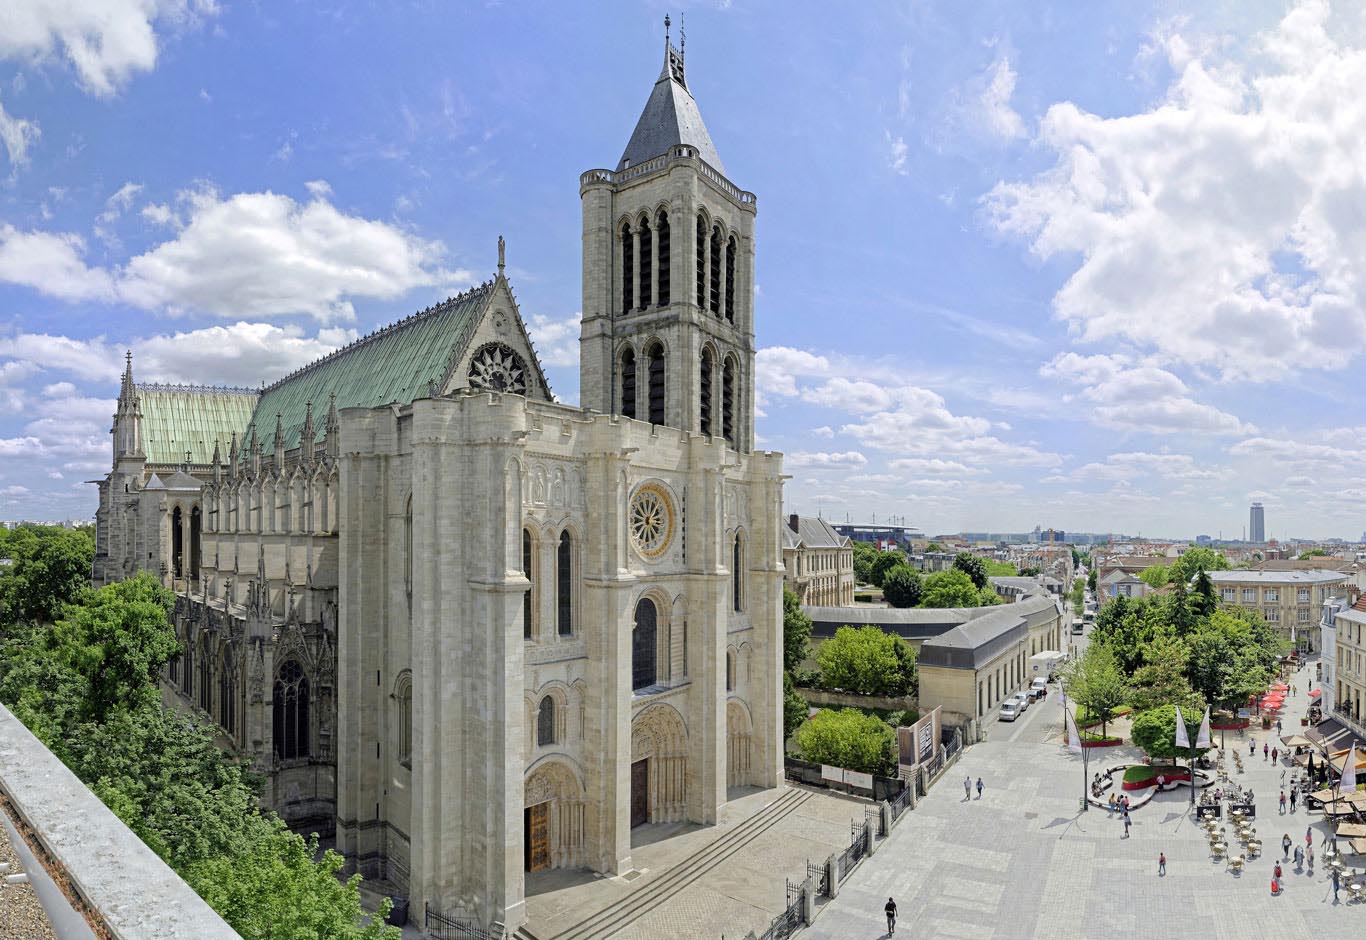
(1022, 863)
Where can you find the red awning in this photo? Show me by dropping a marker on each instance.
(1316, 693)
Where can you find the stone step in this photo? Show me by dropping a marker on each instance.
(616, 916)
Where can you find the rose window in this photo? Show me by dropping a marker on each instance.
(496, 368)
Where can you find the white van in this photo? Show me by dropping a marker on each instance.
(1039, 688)
(1009, 711)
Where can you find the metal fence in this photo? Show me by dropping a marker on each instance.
(458, 927)
(901, 802)
(857, 849)
(820, 878)
(790, 920)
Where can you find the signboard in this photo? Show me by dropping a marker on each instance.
(926, 740)
(1244, 713)
(851, 777)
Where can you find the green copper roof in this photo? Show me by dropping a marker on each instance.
(396, 364)
(181, 418)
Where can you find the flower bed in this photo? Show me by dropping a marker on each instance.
(1142, 776)
(1228, 724)
(1102, 742)
(1085, 721)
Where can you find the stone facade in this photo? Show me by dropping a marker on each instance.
(818, 563)
(473, 631)
(1291, 601)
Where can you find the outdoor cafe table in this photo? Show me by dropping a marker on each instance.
(1243, 809)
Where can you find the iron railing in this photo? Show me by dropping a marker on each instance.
(820, 877)
(790, 920)
(459, 926)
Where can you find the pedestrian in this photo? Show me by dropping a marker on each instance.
(1308, 835)
(967, 788)
(1162, 863)
(1293, 794)
(980, 786)
(1335, 886)
(1278, 871)
(1299, 857)
(1126, 825)
(1282, 802)
(1266, 750)
(1252, 748)
(1309, 856)
(890, 909)
(1278, 726)
(1274, 753)
(1285, 844)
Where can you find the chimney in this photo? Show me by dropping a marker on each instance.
(792, 522)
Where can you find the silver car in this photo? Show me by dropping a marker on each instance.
(1021, 700)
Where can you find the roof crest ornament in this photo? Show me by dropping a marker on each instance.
(501, 255)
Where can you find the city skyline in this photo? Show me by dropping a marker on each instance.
(968, 312)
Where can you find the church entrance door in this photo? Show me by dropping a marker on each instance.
(640, 793)
(537, 829)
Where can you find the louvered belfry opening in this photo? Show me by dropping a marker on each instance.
(701, 262)
(628, 274)
(727, 401)
(705, 393)
(655, 358)
(730, 279)
(662, 247)
(646, 258)
(714, 303)
(628, 384)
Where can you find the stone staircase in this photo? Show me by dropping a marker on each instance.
(619, 914)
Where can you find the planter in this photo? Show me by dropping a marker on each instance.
(1266, 723)
(1229, 724)
(1167, 773)
(1304, 722)
(1103, 742)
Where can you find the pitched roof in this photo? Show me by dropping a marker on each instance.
(177, 419)
(1247, 576)
(812, 533)
(670, 117)
(396, 364)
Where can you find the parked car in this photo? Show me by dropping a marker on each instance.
(1009, 710)
(1021, 700)
(1039, 688)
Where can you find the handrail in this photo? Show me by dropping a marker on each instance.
(660, 163)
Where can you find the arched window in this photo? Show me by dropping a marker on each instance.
(662, 251)
(628, 384)
(290, 712)
(404, 694)
(654, 364)
(564, 584)
(714, 293)
(177, 542)
(528, 631)
(730, 279)
(643, 645)
(227, 699)
(628, 273)
(545, 722)
(728, 401)
(205, 677)
(705, 393)
(737, 565)
(701, 263)
(173, 670)
(196, 528)
(647, 253)
(189, 667)
(730, 670)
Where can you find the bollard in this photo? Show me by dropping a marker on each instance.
(886, 810)
(832, 876)
(809, 901)
(868, 834)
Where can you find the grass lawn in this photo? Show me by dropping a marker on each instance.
(1137, 773)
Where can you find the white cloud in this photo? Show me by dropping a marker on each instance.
(249, 255)
(777, 369)
(1127, 396)
(1000, 118)
(897, 151)
(14, 490)
(105, 41)
(17, 135)
(825, 431)
(848, 460)
(1130, 465)
(557, 341)
(1220, 227)
(932, 466)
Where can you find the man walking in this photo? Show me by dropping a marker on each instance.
(1161, 864)
(1285, 844)
(979, 788)
(890, 909)
(1126, 825)
(1294, 793)
(967, 788)
(1335, 886)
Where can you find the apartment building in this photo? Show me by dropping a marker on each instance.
(818, 562)
(1291, 601)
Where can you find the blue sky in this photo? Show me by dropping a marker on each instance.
(1090, 265)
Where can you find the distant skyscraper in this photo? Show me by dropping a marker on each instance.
(1256, 525)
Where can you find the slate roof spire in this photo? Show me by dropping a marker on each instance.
(670, 116)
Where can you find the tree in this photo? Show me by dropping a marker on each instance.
(973, 566)
(864, 555)
(885, 562)
(1197, 559)
(901, 586)
(1313, 553)
(952, 588)
(1002, 569)
(1161, 680)
(851, 739)
(796, 632)
(867, 661)
(934, 547)
(1077, 595)
(1155, 576)
(987, 597)
(1203, 601)
(1155, 731)
(794, 707)
(49, 568)
(1091, 579)
(1096, 682)
(1029, 571)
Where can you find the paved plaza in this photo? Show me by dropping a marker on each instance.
(1023, 863)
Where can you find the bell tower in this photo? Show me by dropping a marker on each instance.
(668, 275)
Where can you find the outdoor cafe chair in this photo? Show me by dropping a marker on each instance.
(1236, 863)
(1254, 847)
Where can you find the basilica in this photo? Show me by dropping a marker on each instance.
(467, 630)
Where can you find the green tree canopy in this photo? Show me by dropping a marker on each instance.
(1313, 553)
(1197, 559)
(867, 661)
(864, 556)
(49, 568)
(934, 547)
(1155, 731)
(1155, 576)
(885, 562)
(794, 707)
(1095, 681)
(796, 632)
(973, 566)
(951, 588)
(1161, 679)
(851, 739)
(901, 586)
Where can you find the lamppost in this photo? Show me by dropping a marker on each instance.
(1085, 756)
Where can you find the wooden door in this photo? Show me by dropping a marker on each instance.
(640, 793)
(538, 837)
